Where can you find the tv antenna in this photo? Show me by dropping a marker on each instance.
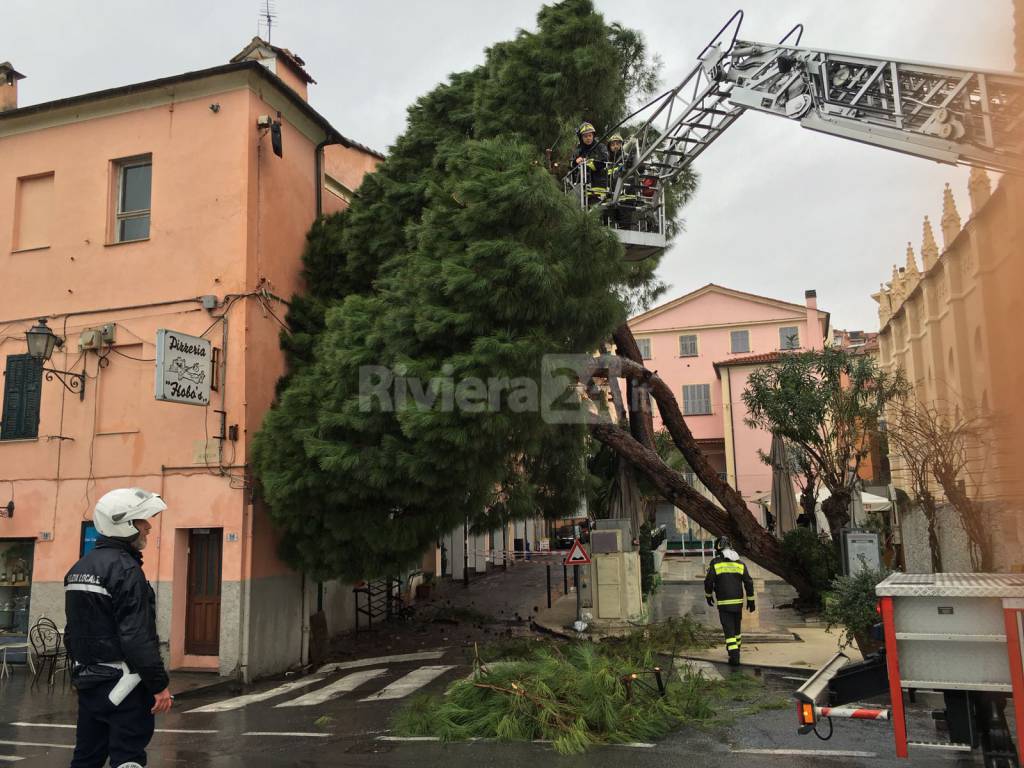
(267, 17)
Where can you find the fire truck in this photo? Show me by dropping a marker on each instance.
(956, 636)
(947, 114)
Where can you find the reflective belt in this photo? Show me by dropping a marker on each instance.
(737, 601)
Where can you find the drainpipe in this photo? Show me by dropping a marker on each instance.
(318, 164)
(732, 429)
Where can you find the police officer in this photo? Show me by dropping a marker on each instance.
(728, 577)
(111, 636)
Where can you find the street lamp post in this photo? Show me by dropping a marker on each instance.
(41, 343)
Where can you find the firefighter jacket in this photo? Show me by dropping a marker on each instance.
(727, 578)
(595, 158)
(111, 613)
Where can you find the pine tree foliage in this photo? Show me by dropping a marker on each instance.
(459, 258)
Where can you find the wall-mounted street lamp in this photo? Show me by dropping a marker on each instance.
(41, 343)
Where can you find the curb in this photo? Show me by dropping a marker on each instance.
(215, 687)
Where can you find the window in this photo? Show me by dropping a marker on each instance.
(23, 385)
(688, 345)
(696, 399)
(789, 337)
(33, 212)
(740, 341)
(134, 187)
(645, 348)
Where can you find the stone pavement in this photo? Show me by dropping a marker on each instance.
(775, 636)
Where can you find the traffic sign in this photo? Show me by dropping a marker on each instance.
(577, 555)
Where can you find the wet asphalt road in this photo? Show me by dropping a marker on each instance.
(350, 729)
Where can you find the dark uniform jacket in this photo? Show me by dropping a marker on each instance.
(111, 613)
(595, 157)
(726, 580)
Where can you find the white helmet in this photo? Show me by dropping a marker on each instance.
(116, 511)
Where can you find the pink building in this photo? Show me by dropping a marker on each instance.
(179, 204)
(704, 345)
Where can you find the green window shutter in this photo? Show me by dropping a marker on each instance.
(23, 386)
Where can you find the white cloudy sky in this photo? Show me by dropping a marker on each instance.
(779, 209)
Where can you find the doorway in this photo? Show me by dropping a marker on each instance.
(202, 607)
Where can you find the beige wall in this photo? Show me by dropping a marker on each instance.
(955, 330)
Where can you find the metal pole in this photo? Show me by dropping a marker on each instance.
(548, 569)
(565, 579)
(579, 601)
(465, 553)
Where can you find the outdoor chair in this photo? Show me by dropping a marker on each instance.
(47, 644)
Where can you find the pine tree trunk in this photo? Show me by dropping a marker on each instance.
(763, 549)
(734, 519)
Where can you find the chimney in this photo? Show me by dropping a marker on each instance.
(9, 78)
(815, 339)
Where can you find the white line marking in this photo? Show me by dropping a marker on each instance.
(635, 744)
(798, 752)
(10, 758)
(288, 733)
(408, 738)
(403, 686)
(72, 726)
(243, 701)
(638, 744)
(344, 685)
(327, 669)
(37, 744)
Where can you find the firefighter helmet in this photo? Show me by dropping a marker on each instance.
(116, 512)
(722, 543)
(586, 128)
(615, 137)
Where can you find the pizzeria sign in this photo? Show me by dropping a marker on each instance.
(184, 368)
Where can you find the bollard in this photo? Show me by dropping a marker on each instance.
(548, 569)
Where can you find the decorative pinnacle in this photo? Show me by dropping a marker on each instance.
(911, 261)
(950, 218)
(979, 187)
(929, 248)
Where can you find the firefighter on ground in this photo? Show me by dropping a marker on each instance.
(591, 155)
(111, 635)
(728, 578)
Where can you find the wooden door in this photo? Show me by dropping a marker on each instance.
(202, 611)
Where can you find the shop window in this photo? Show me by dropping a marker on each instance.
(23, 386)
(16, 557)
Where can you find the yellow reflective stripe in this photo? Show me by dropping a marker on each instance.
(708, 594)
(721, 568)
(737, 601)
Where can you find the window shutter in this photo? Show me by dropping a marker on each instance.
(23, 386)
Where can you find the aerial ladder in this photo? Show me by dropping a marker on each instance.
(948, 114)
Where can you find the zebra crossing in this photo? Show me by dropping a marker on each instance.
(357, 678)
(274, 712)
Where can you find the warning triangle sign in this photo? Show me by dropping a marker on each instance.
(577, 555)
